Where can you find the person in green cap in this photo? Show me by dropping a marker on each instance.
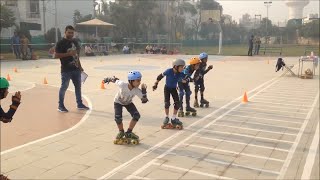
(7, 117)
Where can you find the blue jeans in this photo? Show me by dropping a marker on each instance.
(75, 76)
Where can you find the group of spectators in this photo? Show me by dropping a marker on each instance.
(21, 47)
(155, 49)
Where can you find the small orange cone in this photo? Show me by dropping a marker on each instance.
(45, 81)
(15, 70)
(8, 77)
(102, 85)
(245, 98)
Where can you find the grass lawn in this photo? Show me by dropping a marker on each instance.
(227, 50)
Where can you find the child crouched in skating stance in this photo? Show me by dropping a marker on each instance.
(124, 99)
(184, 88)
(173, 75)
(199, 81)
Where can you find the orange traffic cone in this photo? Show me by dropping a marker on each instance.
(8, 77)
(245, 98)
(102, 85)
(45, 81)
(15, 70)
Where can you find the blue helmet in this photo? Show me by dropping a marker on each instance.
(133, 75)
(203, 55)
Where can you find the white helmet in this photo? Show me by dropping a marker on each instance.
(178, 62)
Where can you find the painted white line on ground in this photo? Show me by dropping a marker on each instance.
(138, 177)
(277, 107)
(84, 118)
(265, 94)
(236, 153)
(267, 119)
(284, 101)
(197, 132)
(297, 141)
(246, 167)
(311, 155)
(244, 135)
(290, 91)
(283, 104)
(272, 110)
(191, 171)
(285, 98)
(269, 114)
(265, 124)
(236, 142)
(253, 129)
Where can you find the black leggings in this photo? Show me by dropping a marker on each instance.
(131, 108)
(174, 93)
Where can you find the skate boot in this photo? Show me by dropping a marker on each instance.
(204, 103)
(196, 104)
(176, 123)
(166, 124)
(132, 138)
(190, 110)
(120, 138)
(180, 113)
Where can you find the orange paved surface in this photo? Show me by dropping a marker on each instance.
(37, 116)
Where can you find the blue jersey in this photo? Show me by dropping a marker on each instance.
(188, 71)
(172, 78)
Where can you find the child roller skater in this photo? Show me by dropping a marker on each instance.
(173, 75)
(6, 117)
(124, 99)
(199, 80)
(184, 88)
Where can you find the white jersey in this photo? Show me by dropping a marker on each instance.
(125, 95)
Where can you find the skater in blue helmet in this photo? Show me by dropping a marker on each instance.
(173, 76)
(6, 117)
(199, 80)
(124, 98)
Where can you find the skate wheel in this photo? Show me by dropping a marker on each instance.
(125, 141)
(135, 142)
(187, 113)
(178, 127)
(201, 105)
(162, 126)
(194, 114)
(207, 105)
(115, 141)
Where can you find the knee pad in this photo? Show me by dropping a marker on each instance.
(181, 93)
(118, 119)
(177, 105)
(136, 116)
(166, 105)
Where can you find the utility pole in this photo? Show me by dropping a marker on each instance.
(44, 17)
(56, 19)
(267, 4)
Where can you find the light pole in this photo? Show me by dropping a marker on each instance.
(220, 34)
(56, 19)
(267, 4)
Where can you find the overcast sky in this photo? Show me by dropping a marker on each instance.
(277, 12)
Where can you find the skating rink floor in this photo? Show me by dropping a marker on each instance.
(273, 136)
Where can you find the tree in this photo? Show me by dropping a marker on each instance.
(50, 36)
(6, 17)
(210, 5)
(310, 30)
